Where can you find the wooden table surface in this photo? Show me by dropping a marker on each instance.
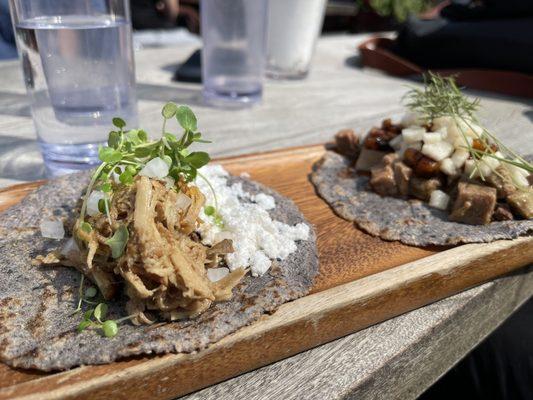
(399, 358)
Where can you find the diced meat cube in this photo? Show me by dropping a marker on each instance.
(502, 181)
(502, 212)
(382, 181)
(422, 188)
(522, 203)
(390, 158)
(369, 159)
(347, 143)
(474, 204)
(402, 176)
(422, 166)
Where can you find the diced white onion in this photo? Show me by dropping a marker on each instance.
(183, 201)
(459, 157)
(518, 170)
(169, 182)
(491, 162)
(396, 142)
(115, 175)
(432, 137)
(470, 167)
(70, 249)
(439, 199)
(216, 274)
(412, 119)
(411, 135)
(483, 169)
(463, 142)
(442, 122)
(155, 168)
(92, 202)
(518, 178)
(437, 151)
(448, 167)
(52, 229)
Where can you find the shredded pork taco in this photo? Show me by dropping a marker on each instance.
(154, 252)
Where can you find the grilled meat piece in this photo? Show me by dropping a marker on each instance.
(502, 212)
(347, 143)
(382, 181)
(421, 188)
(474, 204)
(369, 159)
(502, 181)
(388, 126)
(422, 165)
(378, 138)
(402, 176)
(522, 203)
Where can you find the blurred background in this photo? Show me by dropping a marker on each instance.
(181, 19)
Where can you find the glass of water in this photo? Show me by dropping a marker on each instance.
(77, 61)
(233, 54)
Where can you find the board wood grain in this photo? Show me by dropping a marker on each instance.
(362, 281)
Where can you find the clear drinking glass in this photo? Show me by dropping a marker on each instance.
(233, 54)
(77, 60)
(293, 28)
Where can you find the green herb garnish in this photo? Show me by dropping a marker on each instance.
(118, 241)
(129, 151)
(95, 318)
(441, 97)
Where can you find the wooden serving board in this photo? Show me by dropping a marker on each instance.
(362, 281)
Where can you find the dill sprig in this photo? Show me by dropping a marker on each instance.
(441, 97)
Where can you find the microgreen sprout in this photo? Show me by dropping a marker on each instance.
(442, 97)
(83, 297)
(95, 318)
(128, 152)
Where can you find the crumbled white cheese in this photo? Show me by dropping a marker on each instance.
(92, 202)
(155, 168)
(257, 239)
(52, 229)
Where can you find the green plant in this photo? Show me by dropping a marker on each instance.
(398, 9)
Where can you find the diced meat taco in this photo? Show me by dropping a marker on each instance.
(436, 178)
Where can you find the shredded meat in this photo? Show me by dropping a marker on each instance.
(164, 266)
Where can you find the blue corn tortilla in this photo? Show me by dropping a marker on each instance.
(412, 222)
(38, 329)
